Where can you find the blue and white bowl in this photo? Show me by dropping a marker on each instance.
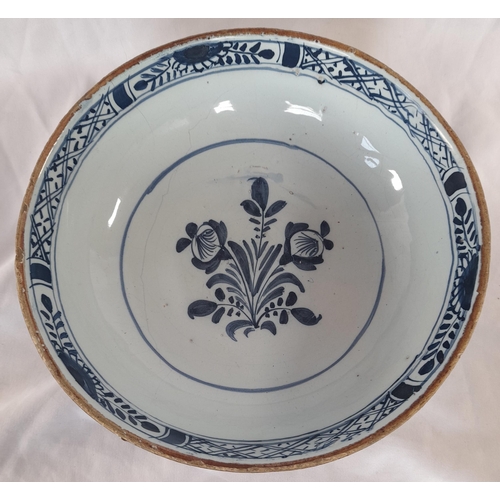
(252, 250)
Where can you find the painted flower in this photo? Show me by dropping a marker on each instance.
(207, 244)
(198, 53)
(304, 247)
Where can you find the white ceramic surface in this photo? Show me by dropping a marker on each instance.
(147, 226)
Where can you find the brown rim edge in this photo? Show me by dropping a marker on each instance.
(211, 464)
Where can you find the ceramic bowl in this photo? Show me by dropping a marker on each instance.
(252, 250)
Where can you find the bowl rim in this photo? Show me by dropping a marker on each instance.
(22, 287)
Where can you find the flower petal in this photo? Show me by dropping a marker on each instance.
(286, 258)
(304, 265)
(292, 228)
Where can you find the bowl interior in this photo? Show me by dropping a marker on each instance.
(256, 253)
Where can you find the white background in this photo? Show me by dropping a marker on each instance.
(47, 65)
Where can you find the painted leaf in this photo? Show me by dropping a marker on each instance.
(305, 265)
(255, 48)
(305, 316)
(460, 207)
(324, 229)
(291, 299)
(292, 228)
(285, 278)
(247, 331)
(47, 303)
(263, 248)
(249, 252)
(150, 426)
(235, 325)
(219, 293)
(232, 273)
(242, 260)
(209, 267)
(265, 270)
(141, 85)
(283, 317)
(286, 258)
(266, 54)
(260, 192)
(328, 244)
(237, 292)
(222, 278)
(191, 229)
(427, 367)
(264, 260)
(120, 413)
(251, 208)
(182, 244)
(201, 308)
(277, 292)
(269, 325)
(218, 315)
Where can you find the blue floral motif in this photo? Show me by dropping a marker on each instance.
(467, 281)
(207, 245)
(467, 245)
(197, 53)
(304, 247)
(252, 284)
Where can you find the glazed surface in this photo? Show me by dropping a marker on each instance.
(318, 128)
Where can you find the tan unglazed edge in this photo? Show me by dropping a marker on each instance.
(235, 467)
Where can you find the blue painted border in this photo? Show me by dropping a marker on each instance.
(179, 162)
